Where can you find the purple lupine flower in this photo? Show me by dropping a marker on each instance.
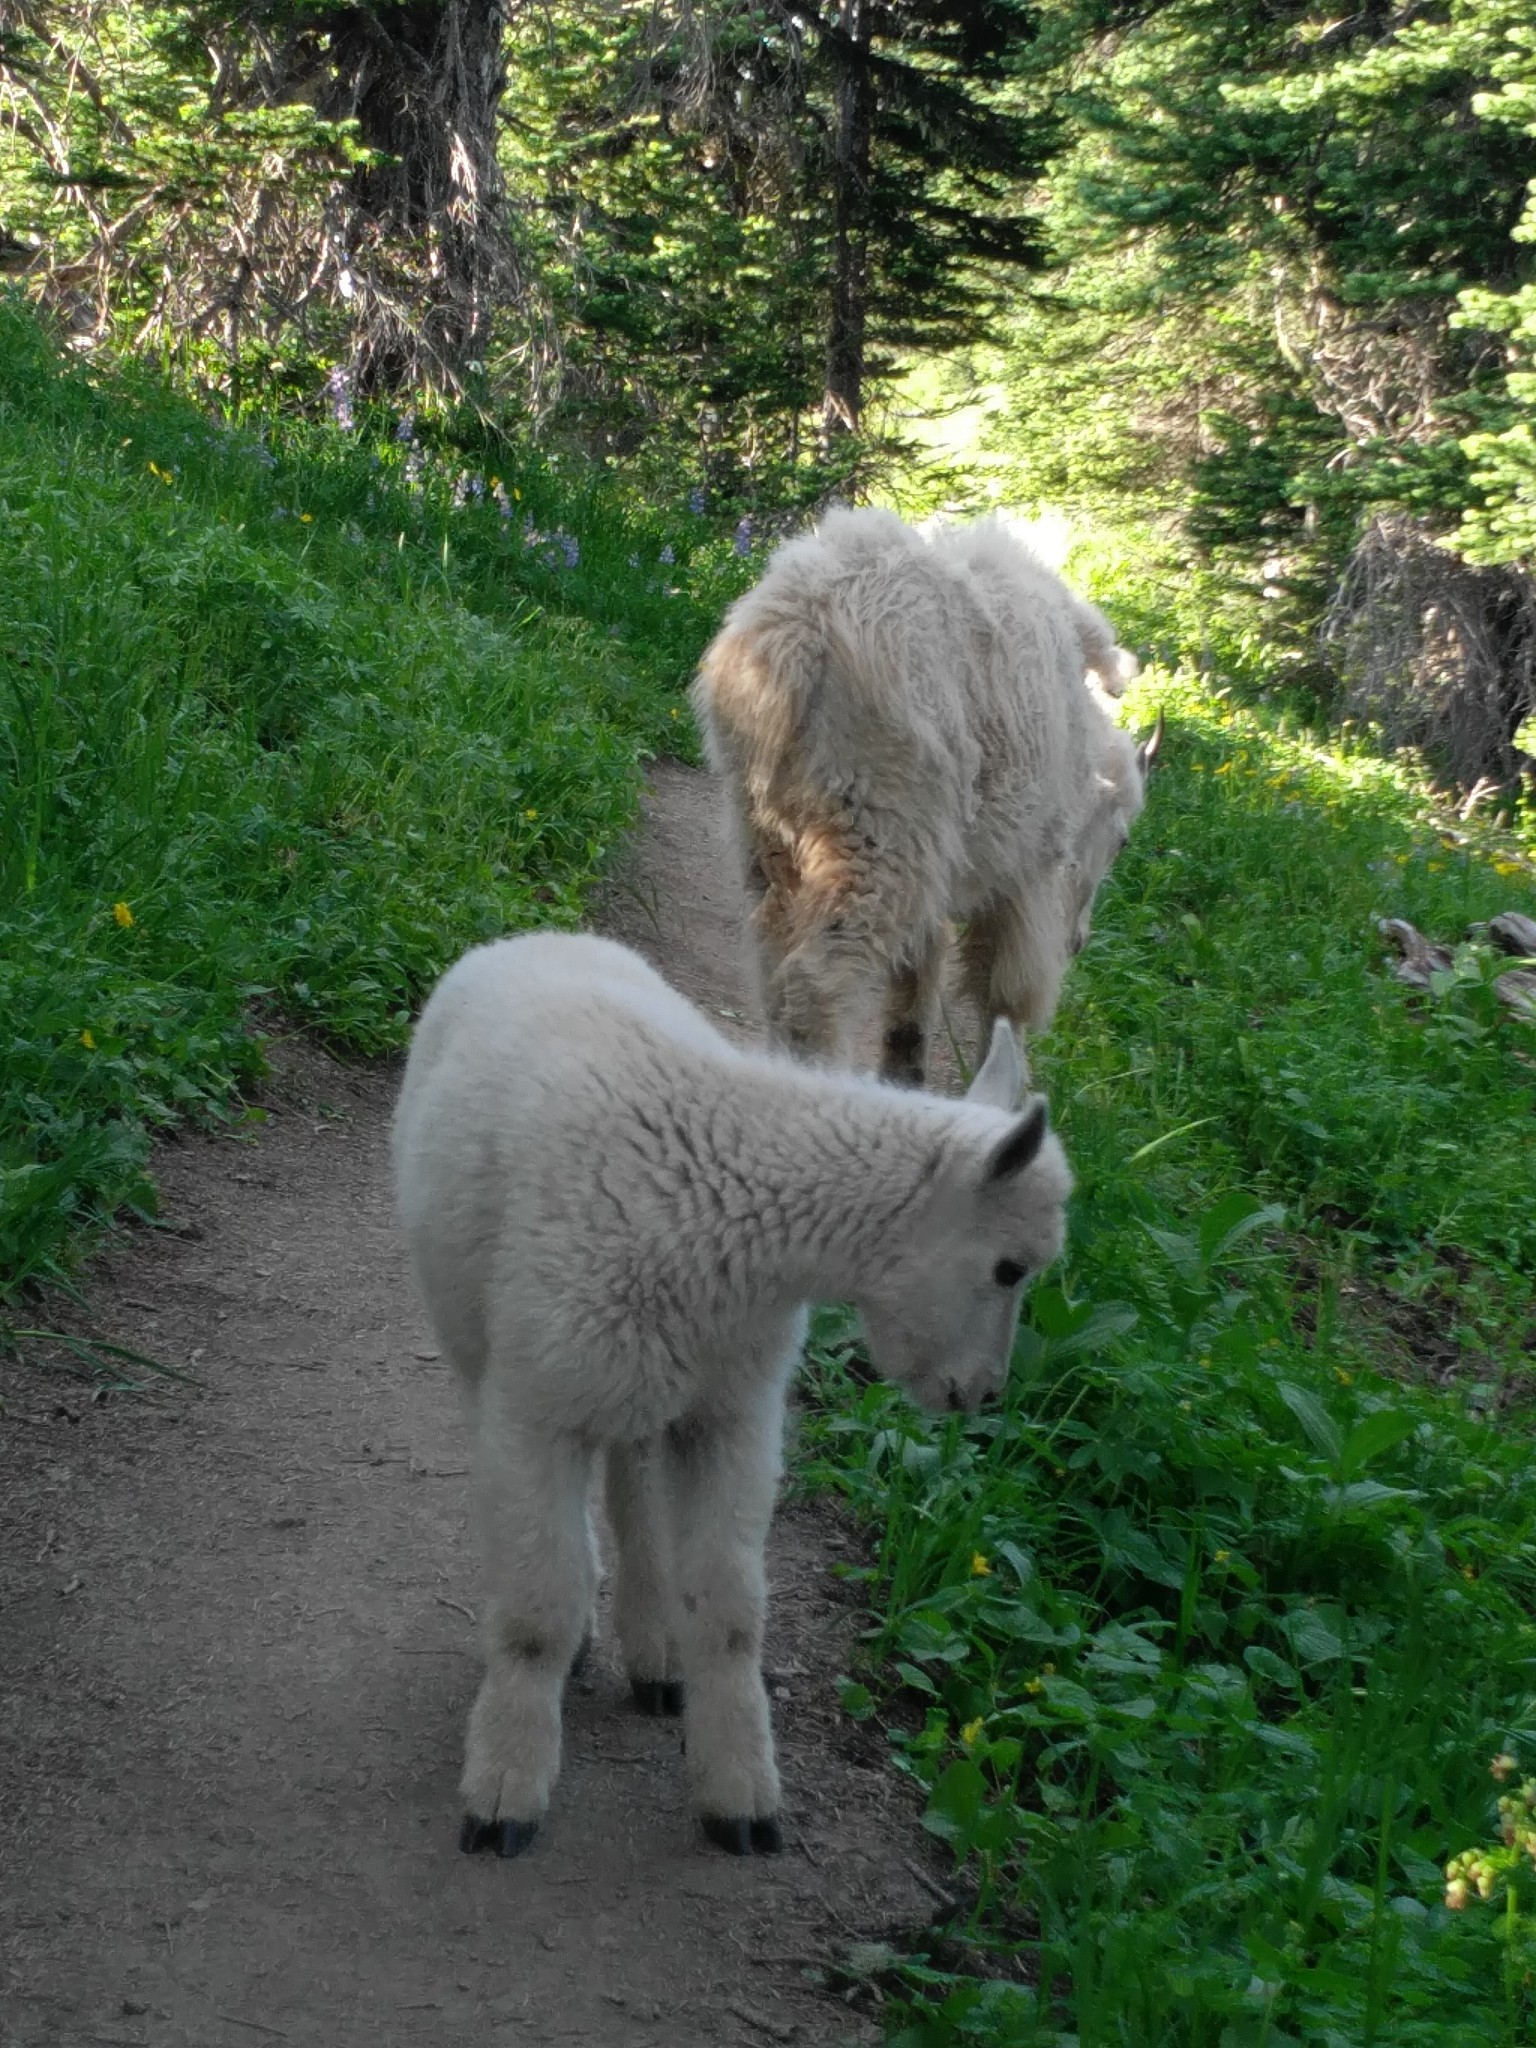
(338, 388)
(477, 487)
(503, 502)
(415, 463)
(697, 499)
(668, 555)
(460, 490)
(405, 430)
(742, 542)
(570, 549)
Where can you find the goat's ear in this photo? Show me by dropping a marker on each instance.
(1003, 1075)
(1152, 745)
(1022, 1144)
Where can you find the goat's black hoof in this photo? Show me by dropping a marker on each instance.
(657, 1695)
(507, 1837)
(739, 1836)
(733, 1835)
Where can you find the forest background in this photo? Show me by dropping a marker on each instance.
(1250, 282)
(391, 398)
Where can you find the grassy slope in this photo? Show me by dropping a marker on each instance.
(314, 730)
(1204, 1646)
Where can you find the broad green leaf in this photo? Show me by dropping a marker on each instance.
(1377, 1433)
(1322, 1431)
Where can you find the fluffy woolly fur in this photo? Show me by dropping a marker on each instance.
(912, 728)
(616, 1219)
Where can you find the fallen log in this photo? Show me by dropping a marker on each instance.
(1513, 932)
(1420, 959)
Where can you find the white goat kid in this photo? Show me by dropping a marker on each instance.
(616, 1218)
(910, 730)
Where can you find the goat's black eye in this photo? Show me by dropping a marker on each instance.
(1007, 1274)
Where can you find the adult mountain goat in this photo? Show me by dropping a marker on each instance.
(616, 1218)
(903, 722)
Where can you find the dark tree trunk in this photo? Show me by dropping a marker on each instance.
(848, 46)
(423, 80)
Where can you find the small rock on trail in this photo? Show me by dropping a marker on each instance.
(236, 1650)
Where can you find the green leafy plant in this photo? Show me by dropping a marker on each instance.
(288, 719)
(1188, 1645)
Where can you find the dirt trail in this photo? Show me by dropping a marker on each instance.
(236, 1652)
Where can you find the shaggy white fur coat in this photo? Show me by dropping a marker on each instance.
(905, 723)
(616, 1219)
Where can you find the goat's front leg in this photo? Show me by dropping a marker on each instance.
(1014, 956)
(636, 1487)
(541, 1580)
(722, 1472)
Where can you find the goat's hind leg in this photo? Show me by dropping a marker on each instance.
(910, 1010)
(535, 1538)
(642, 1598)
(828, 998)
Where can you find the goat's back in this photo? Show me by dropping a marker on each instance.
(933, 685)
(527, 1062)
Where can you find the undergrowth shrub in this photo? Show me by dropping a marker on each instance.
(316, 709)
(1201, 1646)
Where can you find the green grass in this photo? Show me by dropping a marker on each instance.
(314, 725)
(1201, 1648)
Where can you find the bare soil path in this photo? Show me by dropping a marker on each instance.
(236, 1652)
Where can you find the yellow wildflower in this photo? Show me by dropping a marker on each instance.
(87, 1041)
(1034, 1685)
(1508, 867)
(674, 711)
(971, 1731)
(123, 915)
(530, 815)
(980, 1569)
(1502, 1765)
(1221, 1556)
(306, 519)
(1344, 1378)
